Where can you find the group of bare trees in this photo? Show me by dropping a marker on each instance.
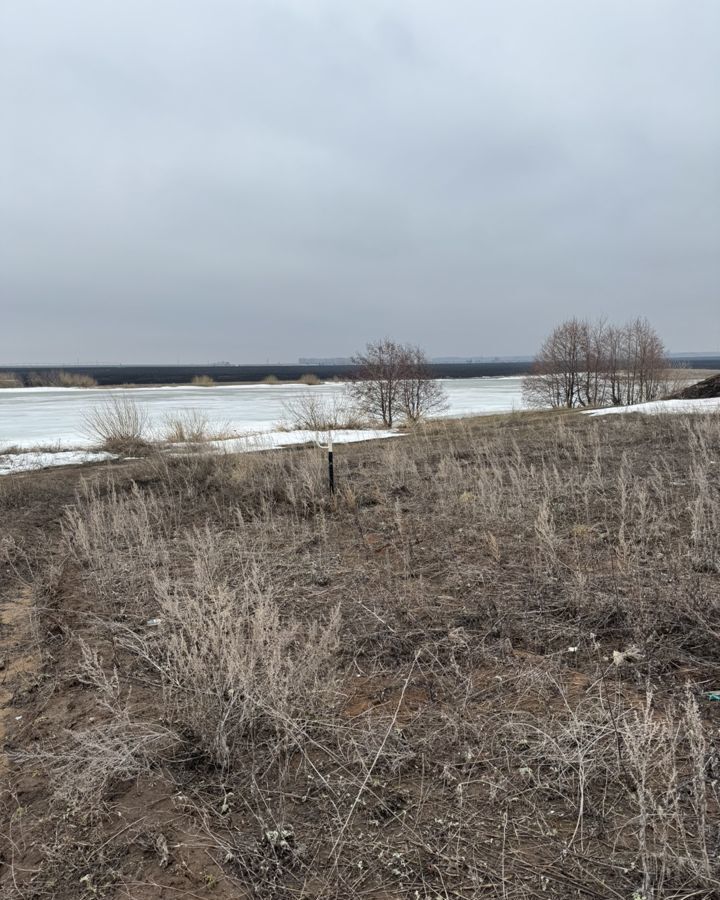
(581, 364)
(584, 363)
(393, 381)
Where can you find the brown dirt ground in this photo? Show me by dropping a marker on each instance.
(443, 640)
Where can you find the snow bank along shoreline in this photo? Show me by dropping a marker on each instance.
(658, 407)
(28, 460)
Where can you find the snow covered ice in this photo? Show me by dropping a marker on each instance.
(32, 418)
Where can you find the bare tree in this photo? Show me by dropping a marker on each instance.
(592, 385)
(375, 386)
(421, 394)
(636, 364)
(393, 380)
(615, 364)
(650, 361)
(584, 363)
(555, 377)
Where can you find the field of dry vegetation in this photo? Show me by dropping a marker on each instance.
(480, 670)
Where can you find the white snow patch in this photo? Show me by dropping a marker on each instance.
(30, 460)
(40, 459)
(662, 406)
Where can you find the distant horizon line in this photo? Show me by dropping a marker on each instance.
(317, 361)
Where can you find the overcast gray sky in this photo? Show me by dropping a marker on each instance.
(195, 181)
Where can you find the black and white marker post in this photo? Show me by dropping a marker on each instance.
(331, 467)
(331, 470)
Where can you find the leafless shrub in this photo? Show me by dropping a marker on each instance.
(92, 672)
(60, 378)
(665, 761)
(119, 539)
(230, 667)
(309, 378)
(189, 427)
(84, 766)
(311, 411)
(75, 379)
(202, 381)
(119, 425)
(10, 380)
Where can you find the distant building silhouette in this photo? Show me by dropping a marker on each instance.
(330, 361)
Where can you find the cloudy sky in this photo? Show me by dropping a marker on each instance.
(239, 180)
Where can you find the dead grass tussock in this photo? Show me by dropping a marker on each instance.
(60, 378)
(90, 761)
(192, 427)
(309, 378)
(231, 668)
(10, 380)
(119, 425)
(320, 413)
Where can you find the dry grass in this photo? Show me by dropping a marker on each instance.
(309, 378)
(119, 425)
(477, 671)
(230, 669)
(133, 525)
(60, 378)
(202, 381)
(74, 379)
(189, 427)
(91, 761)
(194, 430)
(311, 411)
(10, 380)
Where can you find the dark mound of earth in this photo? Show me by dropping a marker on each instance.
(703, 390)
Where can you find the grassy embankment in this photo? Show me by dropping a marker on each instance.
(477, 671)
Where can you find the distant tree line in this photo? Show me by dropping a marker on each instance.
(584, 364)
(59, 378)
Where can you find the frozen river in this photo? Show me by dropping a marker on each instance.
(50, 416)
